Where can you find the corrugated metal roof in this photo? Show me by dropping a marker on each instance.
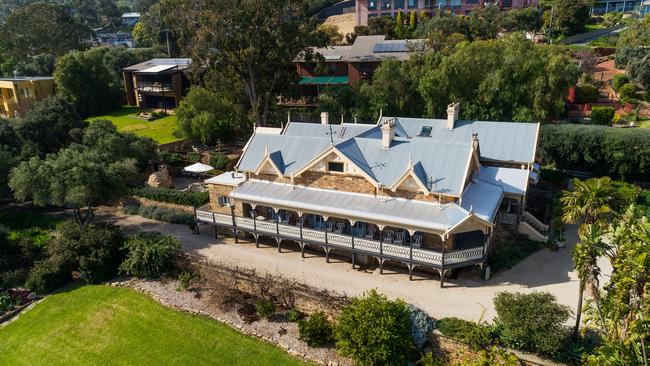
(440, 167)
(181, 63)
(502, 141)
(345, 130)
(511, 180)
(391, 211)
(289, 153)
(483, 199)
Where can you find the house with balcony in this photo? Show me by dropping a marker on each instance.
(420, 193)
(341, 66)
(365, 9)
(18, 94)
(159, 83)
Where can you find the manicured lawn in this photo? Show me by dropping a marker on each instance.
(161, 130)
(103, 325)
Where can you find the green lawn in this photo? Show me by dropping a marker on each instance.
(103, 325)
(161, 130)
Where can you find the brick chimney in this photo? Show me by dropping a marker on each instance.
(387, 133)
(324, 118)
(452, 115)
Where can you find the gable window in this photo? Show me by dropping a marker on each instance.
(333, 166)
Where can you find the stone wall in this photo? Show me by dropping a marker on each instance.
(335, 182)
(215, 191)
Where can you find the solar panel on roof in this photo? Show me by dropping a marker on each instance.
(391, 47)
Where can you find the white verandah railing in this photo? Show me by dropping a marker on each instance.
(342, 241)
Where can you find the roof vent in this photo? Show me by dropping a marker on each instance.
(425, 131)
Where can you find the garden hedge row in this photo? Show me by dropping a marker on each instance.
(600, 150)
(171, 196)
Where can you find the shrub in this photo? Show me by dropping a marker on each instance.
(505, 254)
(170, 158)
(586, 93)
(171, 196)
(646, 95)
(430, 359)
(374, 330)
(421, 325)
(49, 275)
(219, 161)
(150, 254)
(627, 92)
(532, 322)
(616, 152)
(264, 309)
(193, 157)
(619, 80)
(316, 331)
(477, 336)
(5, 302)
(294, 315)
(160, 213)
(602, 115)
(185, 278)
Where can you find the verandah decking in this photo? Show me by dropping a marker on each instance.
(412, 257)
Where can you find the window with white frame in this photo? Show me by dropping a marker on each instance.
(223, 201)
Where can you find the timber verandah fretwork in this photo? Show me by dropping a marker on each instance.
(441, 261)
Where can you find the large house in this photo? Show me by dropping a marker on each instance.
(159, 83)
(18, 94)
(601, 7)
(365, 9)
(346, 65)
(419, 192)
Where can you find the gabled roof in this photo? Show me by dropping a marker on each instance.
(500, 141)
(482, 199)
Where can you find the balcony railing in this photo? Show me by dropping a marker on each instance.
(355, 244)
(155, 87)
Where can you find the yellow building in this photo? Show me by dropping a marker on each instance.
(17, 95)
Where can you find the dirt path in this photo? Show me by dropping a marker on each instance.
(467, 297)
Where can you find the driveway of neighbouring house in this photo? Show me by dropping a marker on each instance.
(467, 297)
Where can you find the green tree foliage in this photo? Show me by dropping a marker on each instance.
(42, 28)
(150, 254)
(476, 336)
(617, 152)
(601, 115)
(48, 275)
(95, 251)
(622, 311)
(171, 196)
(375, 331)
(587, 93)
(590, 200)
(49, 126)
(96, 13)
(566, 17)
(633, 43)
(38, 65)
(206, 116)
(639, 70)
(256, 40)
(532, 321)
(400, 29)
(83, 175)
(85, 80)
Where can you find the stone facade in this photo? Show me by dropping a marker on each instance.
(335, 182)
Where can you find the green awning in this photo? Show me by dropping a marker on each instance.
(323, 80)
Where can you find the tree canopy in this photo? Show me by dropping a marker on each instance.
(203, 115)
(84, 174)
(42, 28)
(255, 40)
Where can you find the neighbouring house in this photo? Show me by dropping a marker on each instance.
(426, 193)
(159, 83)
(365, 9)
(117, 39)
(18, 94)
(130, 19)
(645, 7)
(601, 7)
(346, 65)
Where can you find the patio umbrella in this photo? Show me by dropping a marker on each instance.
(198, 168)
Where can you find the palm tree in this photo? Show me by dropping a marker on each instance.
(589, 202)
(585, 257)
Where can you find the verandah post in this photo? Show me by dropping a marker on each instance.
(302, 242)
(352, 231)
(381, 251)
(327, 253)
(277, 229)
(214, 224)
(234, 223)
(410, 257)
(196, 222)
(442, 266)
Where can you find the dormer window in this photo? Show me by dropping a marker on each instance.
(425, 131)
(334, 166)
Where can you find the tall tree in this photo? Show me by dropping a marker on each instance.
(206, 116)
(566, 17)
(589, 201)
(257, 40)
(585, 258)
(85, 80)
(42, 28)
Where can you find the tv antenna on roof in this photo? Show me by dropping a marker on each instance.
(331, 134)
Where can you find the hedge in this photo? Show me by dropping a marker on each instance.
(586, 93)
(600, 150)
(171, 196)
(619, 80)
(160, 213)
(602, 115)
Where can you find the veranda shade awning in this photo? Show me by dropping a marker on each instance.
(198, 168)
(323, 80)
(398, 212)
